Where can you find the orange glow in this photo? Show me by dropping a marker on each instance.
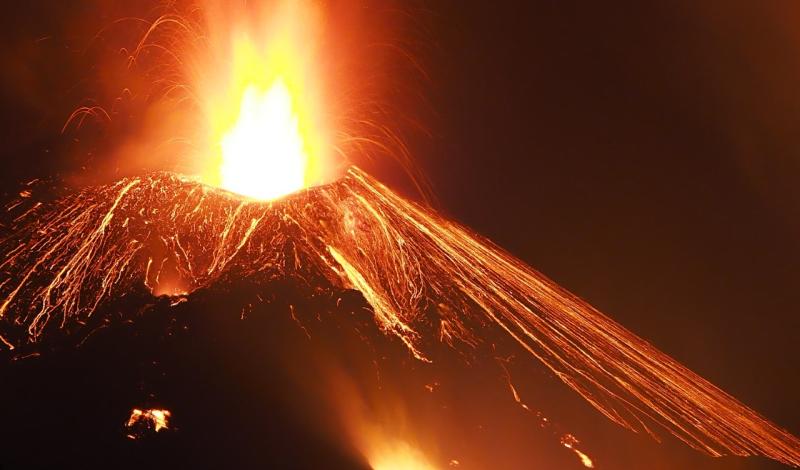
(262, 104)
(398, 455)
(380, 429)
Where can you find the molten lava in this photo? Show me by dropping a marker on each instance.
(264, 135)
(143, 420)
(263, 155)
(64, 261)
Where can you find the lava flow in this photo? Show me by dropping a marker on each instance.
(65, 259)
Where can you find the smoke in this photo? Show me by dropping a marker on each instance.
(122, 88)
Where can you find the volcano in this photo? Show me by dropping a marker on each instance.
(121, 271)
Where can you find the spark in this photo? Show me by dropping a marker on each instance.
(64, 260)
(569, 441)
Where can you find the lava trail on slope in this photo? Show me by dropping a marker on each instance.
(428, 280)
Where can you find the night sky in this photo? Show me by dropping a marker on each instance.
(645, 155)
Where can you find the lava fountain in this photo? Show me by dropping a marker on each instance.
(263, 155)
(263, 111)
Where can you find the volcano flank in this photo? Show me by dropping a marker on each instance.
(334, 311)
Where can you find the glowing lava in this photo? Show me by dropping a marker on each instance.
(400, 456)
(66, 261)
(263, 155)
(262, 102)
(147, 419)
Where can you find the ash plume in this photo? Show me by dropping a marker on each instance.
(428, 280)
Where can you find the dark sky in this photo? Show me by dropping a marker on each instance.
(645, 155)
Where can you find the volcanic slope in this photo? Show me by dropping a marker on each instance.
(428, 280)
